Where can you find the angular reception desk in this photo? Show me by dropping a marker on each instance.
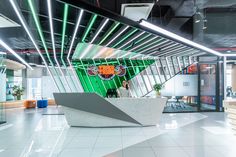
(91, 110)
(230, 108)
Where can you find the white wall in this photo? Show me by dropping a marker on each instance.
(48, 87)
(3, 87)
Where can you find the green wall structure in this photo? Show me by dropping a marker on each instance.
(100, 86)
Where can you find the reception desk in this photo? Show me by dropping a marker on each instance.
(91, 110)
(230, 108)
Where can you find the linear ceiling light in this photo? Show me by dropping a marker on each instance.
(51, 28)
(125, 37)
(40, 32)
(178, 38)
(65, 17)
(143, 44)
(53, 41)
(154, 46)
(71, 46)
(180, 47)
(186, 51)
(23, 22)
(139, 40)
(131, 40)
(149, 55)
(64, 30)
(100, 29)
(15, 54)
(89, 27)
(112, 29)
(170, 46)
(114, 38)
(148, 45)
(74, 34)
(161, 46)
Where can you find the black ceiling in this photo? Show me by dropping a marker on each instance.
(163, 14)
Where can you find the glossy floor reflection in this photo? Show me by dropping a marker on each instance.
(32, 133)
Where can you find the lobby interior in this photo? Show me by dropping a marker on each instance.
(120, 78)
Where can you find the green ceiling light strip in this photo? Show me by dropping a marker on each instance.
(81, 77)
(68, 58)
(125, 37)
(119, 78)
(100, 80)
(113, 27)
(88, 48)
(26, 28)
(93, 19)
(50, 15)
(64, 30)
(83, 81)
(78, 71)
(65, 16)
(87, 75)
(36, 20)
(117, 44)
(94, 79)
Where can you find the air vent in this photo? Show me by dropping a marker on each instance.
(6, 22)
(136, 11)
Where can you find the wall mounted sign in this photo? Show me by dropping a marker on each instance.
(107, 72)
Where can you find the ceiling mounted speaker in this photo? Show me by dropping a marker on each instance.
(136, 11)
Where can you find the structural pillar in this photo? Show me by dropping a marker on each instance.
(233, 77)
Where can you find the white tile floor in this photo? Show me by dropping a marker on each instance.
(29, 133)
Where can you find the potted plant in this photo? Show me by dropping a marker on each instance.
(18, 92)
(157, 87)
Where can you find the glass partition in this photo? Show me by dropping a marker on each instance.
(182, 91)
(208, 86)
(3, 87)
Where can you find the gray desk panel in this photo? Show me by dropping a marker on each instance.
(93, 103)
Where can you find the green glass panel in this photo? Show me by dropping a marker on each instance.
(134, 67)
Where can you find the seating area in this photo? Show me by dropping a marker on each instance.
(29, 103)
